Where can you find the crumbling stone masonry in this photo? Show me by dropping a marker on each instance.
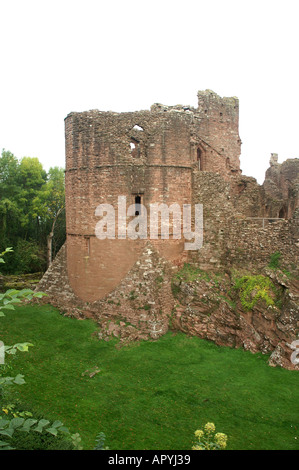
(282, 188)
(168, 154)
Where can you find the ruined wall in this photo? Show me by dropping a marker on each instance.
(237, 232)
(140, 307)
(281, 187)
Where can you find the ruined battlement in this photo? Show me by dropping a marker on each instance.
(207, 136)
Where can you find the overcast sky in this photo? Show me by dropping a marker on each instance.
(125, 55)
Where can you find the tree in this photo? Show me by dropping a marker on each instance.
(9, 190)
(9, 167)
(31, 179)
(32, 217)
(49, 205)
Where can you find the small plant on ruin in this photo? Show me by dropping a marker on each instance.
(251, 289)
(208, 439)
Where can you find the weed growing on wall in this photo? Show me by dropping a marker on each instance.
(252, 289)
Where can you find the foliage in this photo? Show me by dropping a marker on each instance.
(274, 260)
(31, 200)
(24, 430)
(13, 296)
(251, 289)
(100, 442)
(28, 258)
(20, 431)
(208, 439)
(7, 301)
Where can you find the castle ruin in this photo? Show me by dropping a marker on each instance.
(172, 155)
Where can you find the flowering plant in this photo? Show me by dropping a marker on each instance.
(208, 439)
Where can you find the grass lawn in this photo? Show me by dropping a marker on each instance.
(149, 395)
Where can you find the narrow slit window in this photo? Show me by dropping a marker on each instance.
(137, 205)
(199, 159)
(87, 241)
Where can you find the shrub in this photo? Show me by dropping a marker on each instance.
(23, 430)
(27, 257)
(39, 441)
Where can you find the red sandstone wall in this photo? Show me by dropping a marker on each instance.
(100, 167)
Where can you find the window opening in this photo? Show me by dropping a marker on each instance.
(137, 205)
(134, 145)
(283, 213)
(199, 159)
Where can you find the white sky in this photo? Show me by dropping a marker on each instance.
(125, 55)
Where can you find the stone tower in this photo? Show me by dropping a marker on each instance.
(149, 157)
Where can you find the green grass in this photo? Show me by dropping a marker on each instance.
(150, 395)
